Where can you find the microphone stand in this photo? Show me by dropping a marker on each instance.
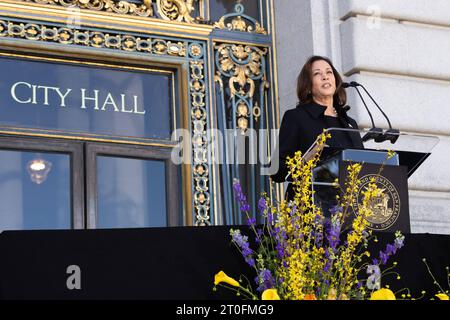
(390, 134)
(374, 133)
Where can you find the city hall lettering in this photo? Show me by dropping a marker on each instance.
(26, 93)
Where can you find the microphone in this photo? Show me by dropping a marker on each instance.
(374, 133)
(390, 134)
(351, 84)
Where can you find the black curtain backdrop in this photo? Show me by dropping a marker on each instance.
(168, 263)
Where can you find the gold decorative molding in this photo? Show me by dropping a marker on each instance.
(241, 63)
(244, 67)
(176, 10)
(239, 24)
(171, 10)
(94, 39)
(122, 7)
(102, 19)
(202, 198)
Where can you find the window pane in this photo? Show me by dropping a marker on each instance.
(131, 193)
(34, 191)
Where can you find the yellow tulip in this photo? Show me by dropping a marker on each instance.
(442, 296)
(382, 294)
(222, 277)
(270, 294)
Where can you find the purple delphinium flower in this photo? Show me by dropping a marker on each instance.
(327, 266)
(374, 279)
(242, 243)
(398, 242)
(333, 231)
(269, 218)
(262, 205)
(335, 209)
(239, 195)
(264, 280)
(328, 261)
(293, 210)
(280, 250)
(259, 234)
(251, 221)
(383, 257)
(318, 239)
(391, 249)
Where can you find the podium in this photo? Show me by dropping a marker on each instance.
(391, 209)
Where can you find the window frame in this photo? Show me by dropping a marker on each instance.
(173, 179)
(75, 151)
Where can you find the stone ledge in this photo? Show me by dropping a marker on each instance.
(395, 49)
(423, 11)
(429, 212)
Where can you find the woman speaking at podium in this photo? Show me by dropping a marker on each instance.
(322, 104)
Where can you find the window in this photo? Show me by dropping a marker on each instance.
(40, 184)
(129, 187)
(44, 184)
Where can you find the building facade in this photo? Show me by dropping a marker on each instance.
(110, 110)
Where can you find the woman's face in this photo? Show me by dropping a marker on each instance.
(323, 80)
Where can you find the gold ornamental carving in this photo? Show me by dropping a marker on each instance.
(176, 10)
(239, 24)
(172, 10)
(123, 7)
(94, 39)
(242, 64)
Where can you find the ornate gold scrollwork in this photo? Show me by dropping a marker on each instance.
(244, 67)
(176, 10)
(92, 38)
(124, 7)
(241, 63)
(200, 148)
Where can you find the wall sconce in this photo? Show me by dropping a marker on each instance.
(38, 170)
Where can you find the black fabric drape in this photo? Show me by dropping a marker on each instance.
(165, 263)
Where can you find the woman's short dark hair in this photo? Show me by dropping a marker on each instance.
(304, 83)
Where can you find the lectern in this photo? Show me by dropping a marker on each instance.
(391, 209)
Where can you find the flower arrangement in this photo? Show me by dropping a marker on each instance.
(301, 254)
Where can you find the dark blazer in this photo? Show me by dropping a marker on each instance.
(300, 128)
